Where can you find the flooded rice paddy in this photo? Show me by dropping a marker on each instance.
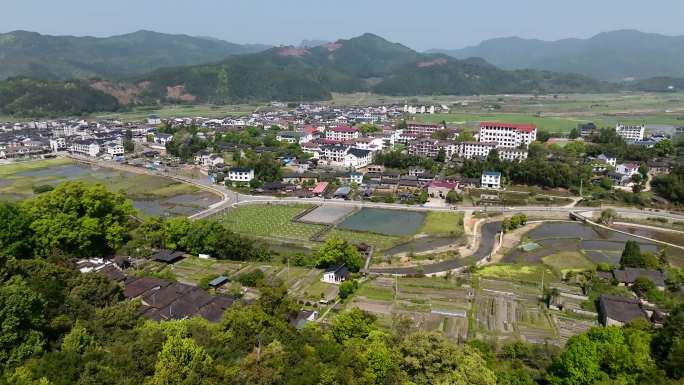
(596, 244)
(384, 221)
(151, 195)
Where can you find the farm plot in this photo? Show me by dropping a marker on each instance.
(442, 223)
(191, 270)
(327, 214)
(507, 317)
(384, 221)
(518, 273)
(380, 242)
(568, 327)
(272, 221)
(568, 261)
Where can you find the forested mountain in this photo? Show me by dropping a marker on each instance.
(364, 63)
(611, 56)
(39, 56)
(45, 98)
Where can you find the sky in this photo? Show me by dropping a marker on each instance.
(418, 24)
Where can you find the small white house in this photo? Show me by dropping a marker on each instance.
(162, 138)
(491, 179)
(356, 177)
(336, 275)
(115, 149)
(153, 120)
(58, 144)
(240, 175)
(628, 169)
(610, 160)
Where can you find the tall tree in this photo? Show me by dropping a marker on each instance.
(631, 255)
(21, 322)
(182, 362)
(79, 220)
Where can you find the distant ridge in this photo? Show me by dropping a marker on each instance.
(611, 56)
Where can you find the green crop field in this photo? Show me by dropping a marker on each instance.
(568, 261)
(437, 222)
(269, 221)
(379, 241)
(523, 273)
(178, 111)
(553, 124)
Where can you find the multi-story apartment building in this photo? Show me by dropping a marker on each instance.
(430, 147)
(115, 149)
(491, 179)
(345, 156)
(513, 154)
(470, 150)
(85, 147)
(630, 133)
(58, 144)
(508, 134)
(341, 133)
(418, 128)
(240, 175)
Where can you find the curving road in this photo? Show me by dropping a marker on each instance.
(488, 234)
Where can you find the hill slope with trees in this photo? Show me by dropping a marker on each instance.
(39, 56)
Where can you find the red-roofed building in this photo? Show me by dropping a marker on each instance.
(441, 189)
(508, 134)
(310, 133)
(320, 188)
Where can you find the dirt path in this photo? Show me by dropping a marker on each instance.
(512, 238)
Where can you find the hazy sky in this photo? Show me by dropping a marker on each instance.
(418, 24)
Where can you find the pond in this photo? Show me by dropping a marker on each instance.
(384, 221)
(599, 245)
(150, 194)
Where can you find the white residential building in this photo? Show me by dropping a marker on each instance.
(507, 134)
(356, 177)
(115, 149)
(633, 133)
(628, 169)
(426, 129)
(513, 154)
(491, 179)
(289, 137)
(470, 150)
(610, 160)
(336, 275)
(86, 147)
(357, 158)
(58, 144)
(341, 133)
(240, 175)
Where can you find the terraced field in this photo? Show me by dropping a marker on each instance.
(269, 220)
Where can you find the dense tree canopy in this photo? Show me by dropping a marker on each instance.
(79, 220)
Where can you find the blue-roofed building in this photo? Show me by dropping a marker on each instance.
(218, 282)
(491, 179)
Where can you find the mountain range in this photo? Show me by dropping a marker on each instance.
(147, 68)
(48, 57)
(365, 63)
(611, 56)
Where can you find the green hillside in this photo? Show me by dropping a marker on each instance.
(34, 55)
